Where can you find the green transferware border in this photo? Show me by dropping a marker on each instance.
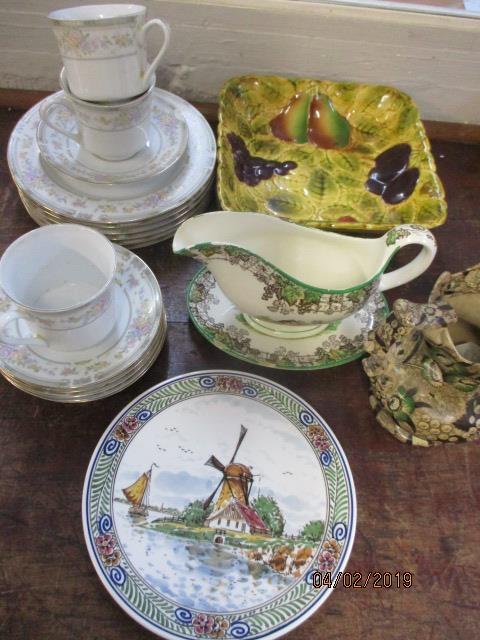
(233, 354)
(362, 285)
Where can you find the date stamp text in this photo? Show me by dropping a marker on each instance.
(358, 580)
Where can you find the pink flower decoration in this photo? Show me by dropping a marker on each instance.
(130, 423)
(211, 626)
(201, 623)
(230, 384)
(105, 544)
(326, 561)
(321, 443)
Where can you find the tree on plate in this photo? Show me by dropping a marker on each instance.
(269, 511)
(313, 530)
(194, 513)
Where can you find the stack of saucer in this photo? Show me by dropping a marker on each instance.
(135, 202)
(109, 366)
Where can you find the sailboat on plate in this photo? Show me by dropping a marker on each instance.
(138, 494)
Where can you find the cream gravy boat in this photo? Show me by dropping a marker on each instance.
(289, 280)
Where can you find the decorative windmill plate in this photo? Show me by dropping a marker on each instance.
(212, 505)
(335, 155)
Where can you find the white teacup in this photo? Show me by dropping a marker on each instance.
(61, 279)
(104, 49)
(110, 131)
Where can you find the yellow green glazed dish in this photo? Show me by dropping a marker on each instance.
(332, 155)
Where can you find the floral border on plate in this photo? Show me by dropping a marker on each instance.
(156, 612)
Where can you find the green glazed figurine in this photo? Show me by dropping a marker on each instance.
(424, 364)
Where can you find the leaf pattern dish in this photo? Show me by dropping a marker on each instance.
(358, 156)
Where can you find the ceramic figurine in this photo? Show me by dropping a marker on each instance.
(424, 364)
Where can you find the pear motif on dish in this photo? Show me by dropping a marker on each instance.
(326, 127)
(291, 123)
(311, 119)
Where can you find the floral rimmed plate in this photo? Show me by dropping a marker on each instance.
(29, 175)
(187, 552)
(327, 154)
(100, 391)
(222, 324)
(127, 236)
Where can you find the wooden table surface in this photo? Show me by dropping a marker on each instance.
(418, 509)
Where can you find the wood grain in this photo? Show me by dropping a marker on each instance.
(417, 509)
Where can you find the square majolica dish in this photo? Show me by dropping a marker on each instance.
(326, 154)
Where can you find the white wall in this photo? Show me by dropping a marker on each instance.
(434, 58)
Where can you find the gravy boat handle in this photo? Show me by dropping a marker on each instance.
(399, 237)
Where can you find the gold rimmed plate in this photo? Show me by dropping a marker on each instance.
(97, 392)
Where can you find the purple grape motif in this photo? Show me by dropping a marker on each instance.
(253, 169)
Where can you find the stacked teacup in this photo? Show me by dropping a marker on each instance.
(104, 51)
(107, 83)
(140, 158)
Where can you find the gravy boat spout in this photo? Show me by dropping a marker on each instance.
(291, 281)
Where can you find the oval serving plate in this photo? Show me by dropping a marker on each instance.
(213, 502)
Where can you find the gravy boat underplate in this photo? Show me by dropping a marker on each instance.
(291, 281)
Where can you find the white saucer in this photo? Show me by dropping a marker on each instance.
(113, 191)
(167, 143)
(140, 306)
(222, 324)
(94, 391)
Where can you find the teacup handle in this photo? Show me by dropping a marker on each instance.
(12, 316)
(399, 237)
(47, 108)
(166, 40)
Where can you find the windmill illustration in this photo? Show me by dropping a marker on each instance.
(232, 509)
(236, 480)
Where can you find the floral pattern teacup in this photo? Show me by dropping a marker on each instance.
(112, 132)
(104, 51)
(60, 279)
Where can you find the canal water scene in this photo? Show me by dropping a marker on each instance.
(219, 504)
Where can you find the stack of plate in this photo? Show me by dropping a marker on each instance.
(108, 367)
(135, 202)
